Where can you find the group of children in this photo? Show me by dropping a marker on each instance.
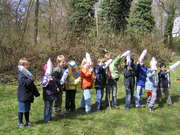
(68, 77)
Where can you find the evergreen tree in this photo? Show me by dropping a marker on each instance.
(141, 20)
(81, 17)
(114, 14)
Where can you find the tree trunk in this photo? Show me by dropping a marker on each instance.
(36, 24)
(26, 21)
(50, 19)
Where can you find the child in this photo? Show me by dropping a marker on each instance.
(57, 73)
(25, 92)
(152, 84)
(164, 83)
(112, 78)
(71, 78)
(129, 82)
(141, 74)
(50, 92)
(99, 82)
(87, 78)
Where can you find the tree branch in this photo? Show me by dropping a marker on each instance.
(161, 4)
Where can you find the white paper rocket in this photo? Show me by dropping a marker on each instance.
(174, 66)
(128, 60)
(143, 54)
(125, 54)
(49, 67)
(153, 63)
(88, 58)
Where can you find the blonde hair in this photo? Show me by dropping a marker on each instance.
(23, 62)
(60, 58)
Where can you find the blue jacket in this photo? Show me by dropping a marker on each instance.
(141, 75)
(26, 89)
(100, 77)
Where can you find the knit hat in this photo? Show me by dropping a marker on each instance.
(72, 63)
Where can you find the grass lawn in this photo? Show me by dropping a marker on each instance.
(164, 121)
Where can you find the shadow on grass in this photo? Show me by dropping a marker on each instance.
(81, 111)
(175, 98)
(71, 115)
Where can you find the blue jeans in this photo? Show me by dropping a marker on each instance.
(139, 93)
(24, 106)
(99, 96)
(86, 100)
(129, 97)
(48, 110)
(111, 86)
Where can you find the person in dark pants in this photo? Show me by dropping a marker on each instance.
(50, 91)
(57, 73)
(71, 79)
(70, 100)
(100, 82)
(129, 83)
(164, 84)
(111, 81)
(25, 93)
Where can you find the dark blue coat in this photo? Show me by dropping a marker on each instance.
(141, 72)
(129, 77)
(100, 73)
(50, 89)
(26, 89)
(164, 79)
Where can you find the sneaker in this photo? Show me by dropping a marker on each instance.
(59, 113)
(28, 124)
(115, 106)
(151, 109)
(47, 121)
(126, 108)
(20, 125)
(88, 112)
(138, 106)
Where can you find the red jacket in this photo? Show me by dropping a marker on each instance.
(86, 78)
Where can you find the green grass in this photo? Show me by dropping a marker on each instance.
(164, 121)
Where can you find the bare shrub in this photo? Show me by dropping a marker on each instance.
(75, 49)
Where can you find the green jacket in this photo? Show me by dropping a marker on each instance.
(72, 82)
(113, 68)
